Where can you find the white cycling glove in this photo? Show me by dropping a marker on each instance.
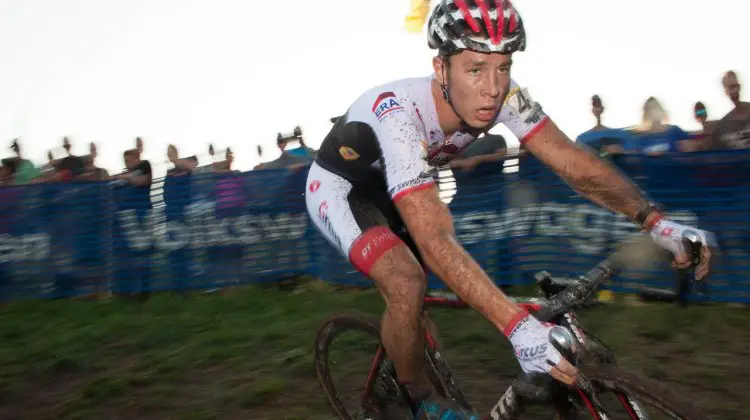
(531, 344)
(668, 235)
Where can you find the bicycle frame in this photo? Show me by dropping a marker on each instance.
(510, 404)
(556, 308)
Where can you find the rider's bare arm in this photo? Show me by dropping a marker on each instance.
(592, 177)
(429, 221)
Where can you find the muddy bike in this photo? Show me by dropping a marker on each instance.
(635, 397)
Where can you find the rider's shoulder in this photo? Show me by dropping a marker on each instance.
(390, 99)
(407, 86)
(515, 88)
(520, 112)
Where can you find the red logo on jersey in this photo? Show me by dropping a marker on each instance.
(384, 95)
(667, 231)
(314, 186)
(385, 104)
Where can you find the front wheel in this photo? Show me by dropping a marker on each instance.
(628, 396)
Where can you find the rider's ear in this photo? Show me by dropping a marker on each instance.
(438, 65)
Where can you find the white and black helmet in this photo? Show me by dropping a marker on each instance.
(478, 25)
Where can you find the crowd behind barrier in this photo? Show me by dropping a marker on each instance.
(208, 231)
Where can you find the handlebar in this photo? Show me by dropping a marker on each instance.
(581, 288)
(692, 244)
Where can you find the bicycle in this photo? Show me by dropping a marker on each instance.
(599, 373)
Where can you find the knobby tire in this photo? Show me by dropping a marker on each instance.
(642, 389)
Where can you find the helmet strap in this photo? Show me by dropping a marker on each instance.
(445, 90)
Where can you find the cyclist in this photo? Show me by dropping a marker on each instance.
(371, 190)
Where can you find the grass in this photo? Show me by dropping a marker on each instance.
(248, 354)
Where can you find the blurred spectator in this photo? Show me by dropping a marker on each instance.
(601, 138)
(221, 166)
(133, 264)
(138, 172)
(230, 201)
(177, 198)
(92, 172)
(6, 172)
(733, 130)
(24, 171)
(302, 151)
(48, 170)
(139, 146)
(225, 165)
(656, 136)
(70, 166)
(701, 115)
(698, 140)
(261, 165)
(182, 166)
(488, 148)
(290, 160)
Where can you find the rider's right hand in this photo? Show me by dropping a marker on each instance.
(535, 352)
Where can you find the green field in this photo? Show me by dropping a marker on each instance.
(247, 354)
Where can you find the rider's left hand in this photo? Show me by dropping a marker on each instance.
(669, 234)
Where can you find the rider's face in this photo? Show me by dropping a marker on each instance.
(478, 84)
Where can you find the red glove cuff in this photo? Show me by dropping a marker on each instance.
(517, 318)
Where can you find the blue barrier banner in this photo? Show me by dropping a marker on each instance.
(207, 231)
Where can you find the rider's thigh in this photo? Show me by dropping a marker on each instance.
(327, 202)
(357, 223)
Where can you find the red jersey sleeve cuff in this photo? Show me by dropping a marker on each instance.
(535, 130)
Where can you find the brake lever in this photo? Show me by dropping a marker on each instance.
(564, 342)
(691, 243)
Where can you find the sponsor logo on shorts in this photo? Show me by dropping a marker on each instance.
(323, 214)
(314, 186)
(386, 104)
(376, 242)
(348, 153)
(323, 210)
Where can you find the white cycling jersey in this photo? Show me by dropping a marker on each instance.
(387, 145)
(392, 131)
